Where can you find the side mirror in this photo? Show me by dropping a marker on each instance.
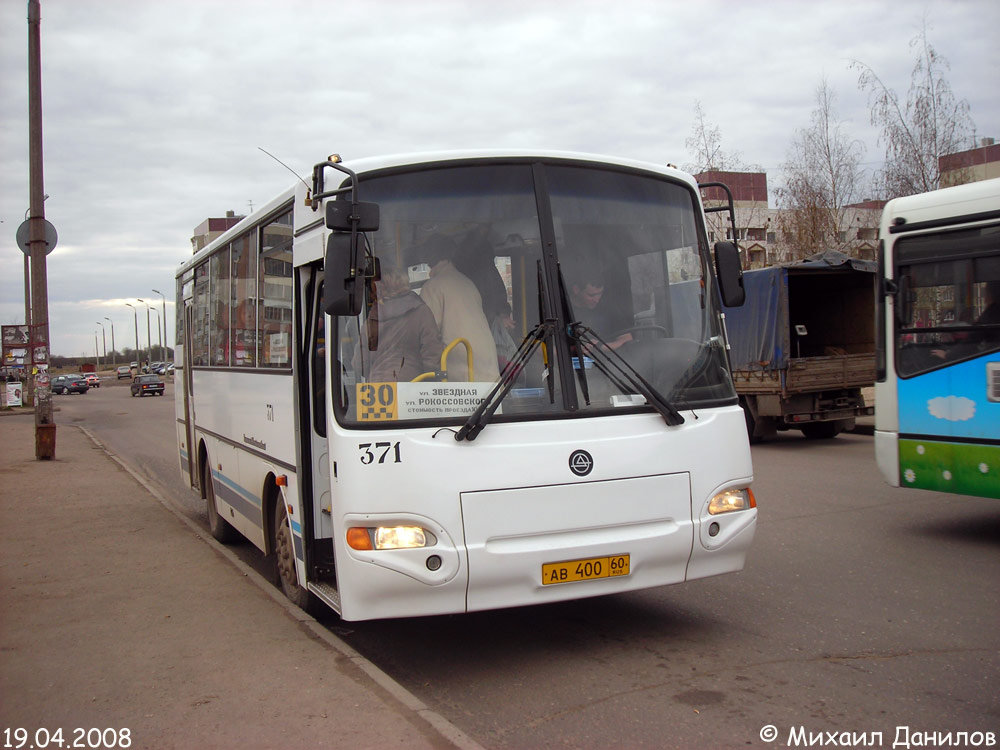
(729, 272)
(342, 292)
(339, 216)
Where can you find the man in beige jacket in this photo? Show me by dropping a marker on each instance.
(458, 310)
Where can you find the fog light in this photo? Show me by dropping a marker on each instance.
(433, 562)
(713, 530)
(730, 500)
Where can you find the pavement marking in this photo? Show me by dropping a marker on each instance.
(383, 680)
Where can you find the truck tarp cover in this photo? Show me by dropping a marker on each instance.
(758, 331)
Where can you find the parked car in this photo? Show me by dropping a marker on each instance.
(160, 368)
(124, 371)
(92, 380)
(69, 384)
(144, 384)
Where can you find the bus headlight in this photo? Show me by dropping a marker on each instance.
(730, 500)
(389, 537)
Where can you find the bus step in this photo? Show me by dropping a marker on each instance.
(327, 594)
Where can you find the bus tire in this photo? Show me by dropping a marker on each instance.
(218, 527)
(284, 555)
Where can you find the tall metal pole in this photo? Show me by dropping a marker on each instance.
(97, 353)
(114, 355)
(159, 335)
(104, 336)
(45, 428)
(135, 316)
(166, 344)
(149, 343)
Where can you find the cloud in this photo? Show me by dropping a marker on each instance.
(952, 408)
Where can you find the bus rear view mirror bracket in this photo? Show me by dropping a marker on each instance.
(729, 272)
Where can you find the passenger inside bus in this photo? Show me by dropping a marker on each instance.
(402, 336)
(457, 307)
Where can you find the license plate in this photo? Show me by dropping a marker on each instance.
(585, 570)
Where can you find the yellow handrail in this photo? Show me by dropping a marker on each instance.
(444, 361)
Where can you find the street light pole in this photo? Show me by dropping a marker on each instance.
(45, 428)
(159, 335)
(135, 316)
(114, 355)
(149, 344)
(166, 344)
(104, 336)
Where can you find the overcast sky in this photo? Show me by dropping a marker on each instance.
(154, 111)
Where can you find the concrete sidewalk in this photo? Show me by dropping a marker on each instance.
(117, 613)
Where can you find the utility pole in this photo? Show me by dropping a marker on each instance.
(45, 428)
(114, 355)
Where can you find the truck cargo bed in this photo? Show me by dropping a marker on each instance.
(810, 374)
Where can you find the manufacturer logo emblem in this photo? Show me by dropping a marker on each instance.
(581, 463)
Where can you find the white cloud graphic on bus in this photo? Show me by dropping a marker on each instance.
(952, 408)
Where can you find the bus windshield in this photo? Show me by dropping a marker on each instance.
(950, 309)
(472, 258)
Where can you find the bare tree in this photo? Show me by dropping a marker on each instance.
(931, 123)
(823, 177)
(706, 145)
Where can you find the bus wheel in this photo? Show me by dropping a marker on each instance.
(218, 527)
(284, 553)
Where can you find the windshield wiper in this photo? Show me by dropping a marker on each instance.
(481, 416)
(534, 338)
(617, 369)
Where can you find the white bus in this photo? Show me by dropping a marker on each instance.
(499, 379)
(937, 395)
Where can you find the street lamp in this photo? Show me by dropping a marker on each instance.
(166, 343)
(149, 344)
(135, 315)
(159, 334)
(104, 337)
(114, 356)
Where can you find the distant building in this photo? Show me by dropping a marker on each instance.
(974, 165)
(210, 229)
(763, 238)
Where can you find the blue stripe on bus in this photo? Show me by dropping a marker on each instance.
(242, 501)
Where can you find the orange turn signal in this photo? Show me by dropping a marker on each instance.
(359, 538)
(281, 480)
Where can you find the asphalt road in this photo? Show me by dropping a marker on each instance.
(862, 609)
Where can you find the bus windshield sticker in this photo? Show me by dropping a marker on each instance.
(385, 402)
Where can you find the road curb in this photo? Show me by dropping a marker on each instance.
(438, 723)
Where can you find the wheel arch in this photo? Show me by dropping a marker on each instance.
(270, 493)
(202, 465)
